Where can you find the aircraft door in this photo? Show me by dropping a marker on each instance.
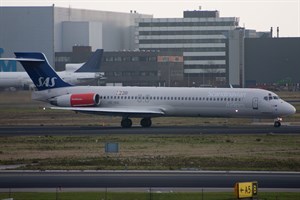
(255, 103)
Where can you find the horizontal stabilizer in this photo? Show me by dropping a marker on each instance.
(24, 59)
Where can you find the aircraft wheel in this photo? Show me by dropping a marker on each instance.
(126, 123)
(146, 122)
(277, 124)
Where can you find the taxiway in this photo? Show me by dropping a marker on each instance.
(98, 130)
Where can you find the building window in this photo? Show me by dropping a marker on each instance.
(135, 58)
(109, 59)
(117, 59)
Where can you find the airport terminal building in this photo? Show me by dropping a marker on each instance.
(199, 49)
(54, 29)
(200, 35)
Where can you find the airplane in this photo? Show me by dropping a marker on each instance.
(74, 74)
(149, 102)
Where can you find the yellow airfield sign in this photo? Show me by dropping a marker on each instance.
(245, 189)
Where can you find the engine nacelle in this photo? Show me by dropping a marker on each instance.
(76, 100)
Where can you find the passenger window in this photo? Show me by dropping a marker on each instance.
(266, 98)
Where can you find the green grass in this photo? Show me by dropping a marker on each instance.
(144, 196)
(165, 152)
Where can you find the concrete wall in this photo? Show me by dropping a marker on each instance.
(81, 34)
(271, 60)
(236, 57)
(26, 29)
(41, 29)
(116, 27)
(74, 34)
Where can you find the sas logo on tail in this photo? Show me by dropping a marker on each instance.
(47, 82)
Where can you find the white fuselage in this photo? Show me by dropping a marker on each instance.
(191, 102)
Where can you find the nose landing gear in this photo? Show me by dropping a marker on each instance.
(277, 122)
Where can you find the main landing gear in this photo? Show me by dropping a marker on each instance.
(127, 123)
(146, 122)
(277, 122)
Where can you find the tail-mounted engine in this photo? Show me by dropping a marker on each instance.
(76, 100)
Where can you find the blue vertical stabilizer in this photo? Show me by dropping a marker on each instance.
(38, 68)
(93, 64)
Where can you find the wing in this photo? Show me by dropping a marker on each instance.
(118, 111)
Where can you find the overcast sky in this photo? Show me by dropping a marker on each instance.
(253, 14)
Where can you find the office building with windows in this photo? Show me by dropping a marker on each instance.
(200, 35)
(132, 68)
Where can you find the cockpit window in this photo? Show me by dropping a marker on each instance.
(268, 98)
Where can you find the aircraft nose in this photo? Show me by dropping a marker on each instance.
(293, 110)
(286, 109)
(290, 109)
